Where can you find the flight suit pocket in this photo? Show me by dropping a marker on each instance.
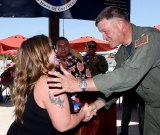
(142, 91)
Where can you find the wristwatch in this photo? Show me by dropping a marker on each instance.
(83, 84)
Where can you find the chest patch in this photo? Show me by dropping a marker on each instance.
(141, 41)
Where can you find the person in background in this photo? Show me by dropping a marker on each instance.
(37, 111)
(7, 82)
(141, 68)
(72, 62)
(96, 63)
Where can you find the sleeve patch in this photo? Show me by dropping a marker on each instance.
(141, 41)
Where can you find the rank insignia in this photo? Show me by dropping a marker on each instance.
(141, 41)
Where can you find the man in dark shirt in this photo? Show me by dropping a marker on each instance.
(96, 63)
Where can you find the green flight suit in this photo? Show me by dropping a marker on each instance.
(142, 68)
(130, 98)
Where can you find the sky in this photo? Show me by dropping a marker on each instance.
(143, 13)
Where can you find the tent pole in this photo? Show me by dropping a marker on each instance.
(63, 27)
(53, 29)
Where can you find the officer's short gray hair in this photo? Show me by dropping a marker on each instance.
(111, 12)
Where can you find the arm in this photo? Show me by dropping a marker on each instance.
(98, 104)
(69, 82)
(121, 79)
(94, 107)
(59, 110)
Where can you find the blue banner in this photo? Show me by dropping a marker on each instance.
(67, 9)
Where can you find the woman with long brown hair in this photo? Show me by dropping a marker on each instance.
(37, 110)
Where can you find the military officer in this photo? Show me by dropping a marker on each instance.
(141, 68)
(130, 97)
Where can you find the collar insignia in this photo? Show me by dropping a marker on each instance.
(141, 41)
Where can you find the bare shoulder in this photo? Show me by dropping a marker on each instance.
(41, 84)
(41, 91)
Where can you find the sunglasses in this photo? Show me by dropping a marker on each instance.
(91, 46)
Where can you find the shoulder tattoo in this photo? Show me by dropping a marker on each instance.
(56, 100)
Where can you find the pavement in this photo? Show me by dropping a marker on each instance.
(6, 118)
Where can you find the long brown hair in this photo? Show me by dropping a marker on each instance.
(31, 63)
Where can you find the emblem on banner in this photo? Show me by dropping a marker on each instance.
(56, 5)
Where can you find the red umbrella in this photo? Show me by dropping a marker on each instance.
(157, 27)
(80, 43)
(11, 43)
(12, 52)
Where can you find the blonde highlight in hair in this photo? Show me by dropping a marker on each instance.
(31, 63)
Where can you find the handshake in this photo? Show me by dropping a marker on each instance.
(89, 110)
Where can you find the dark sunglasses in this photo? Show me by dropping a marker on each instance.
(91, 46)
